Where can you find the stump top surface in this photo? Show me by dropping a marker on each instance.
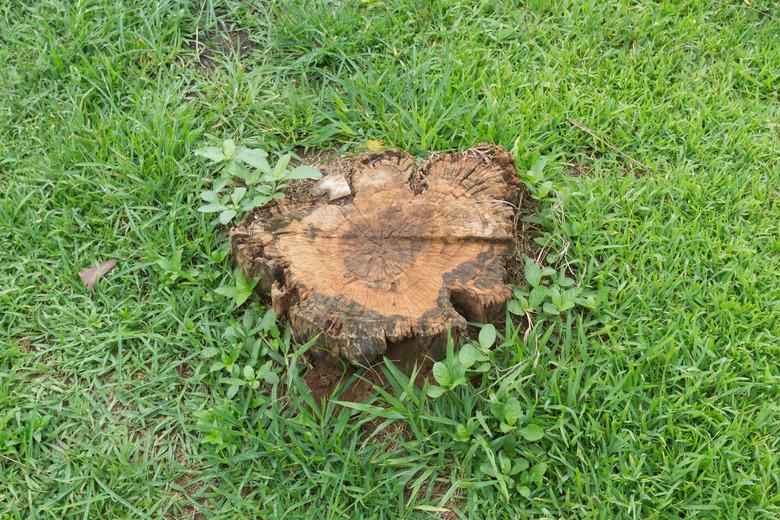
(391, 263)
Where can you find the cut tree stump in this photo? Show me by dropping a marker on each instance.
(412, 253)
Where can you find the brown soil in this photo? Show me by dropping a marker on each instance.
(328, 161)
(576, 169)
(328, 372)
(211, 46)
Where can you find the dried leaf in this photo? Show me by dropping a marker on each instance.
(93, 274)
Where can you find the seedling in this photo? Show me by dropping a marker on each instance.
(551, 293)
(248, 181)
(244, 352)
(241, 291)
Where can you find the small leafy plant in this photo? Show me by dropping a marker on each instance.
(220, 427)
(173, 270)
(551, 293)
(240, 291)
(452, 370)
(247, 180)
(515, 472)
(534, 180)
(495, 428)
(247, 352)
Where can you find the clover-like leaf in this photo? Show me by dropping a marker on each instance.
(211, 153)
(532, 432)
(467, 355)
(487, 336)
(303, 172)
(533, 273)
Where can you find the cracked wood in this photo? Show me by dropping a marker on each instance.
(389, 263)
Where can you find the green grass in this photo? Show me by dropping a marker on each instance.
(662, 403)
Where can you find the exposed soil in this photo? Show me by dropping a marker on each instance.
(191, 489)
(439, 490)
(327, 372)
(524, 235)
(585, 169)
(330, 162)
(211, 46)
(184, 370)
(576, 169)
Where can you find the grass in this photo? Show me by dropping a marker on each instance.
(662, 403)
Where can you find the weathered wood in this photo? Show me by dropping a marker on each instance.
(390, 262)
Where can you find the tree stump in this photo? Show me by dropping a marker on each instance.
(411, 254)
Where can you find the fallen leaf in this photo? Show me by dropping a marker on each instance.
(93, 274)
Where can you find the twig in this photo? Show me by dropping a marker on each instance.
(606, 143)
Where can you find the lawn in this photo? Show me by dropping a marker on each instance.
(660, 124)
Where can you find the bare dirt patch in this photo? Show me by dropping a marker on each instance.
(192, 489)
(212, 46)
(577, 169)
(327, 372)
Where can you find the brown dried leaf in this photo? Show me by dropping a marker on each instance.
(93, 274)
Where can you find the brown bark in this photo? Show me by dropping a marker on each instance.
(389, 263)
